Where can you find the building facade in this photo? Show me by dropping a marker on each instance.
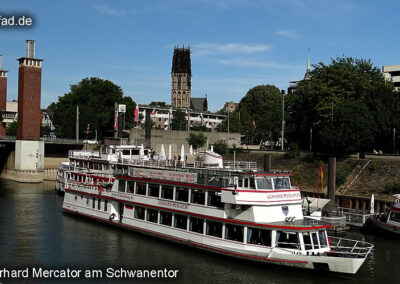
(181, 78)
(392, 73)
(162, 118)
(3, 98)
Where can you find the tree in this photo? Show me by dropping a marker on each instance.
(348, 105)
(96, 99)
(234, 123)
(220, 147)
(158, 104)
(263, 105)
(11, 129)
(179, 121)
(196, 140)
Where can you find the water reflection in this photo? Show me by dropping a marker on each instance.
(34, 231)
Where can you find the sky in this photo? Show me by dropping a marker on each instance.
(235, 44)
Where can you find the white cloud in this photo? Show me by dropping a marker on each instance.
(202, 49)
(287, 33)
(261, 64)
(107, 10)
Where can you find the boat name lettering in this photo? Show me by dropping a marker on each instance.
(121, 195)
(165, 175)
(288, 195)
(173, 204)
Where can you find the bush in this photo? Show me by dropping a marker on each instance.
(238, 150)
(392, 188)
(220, 147)
(196, 140)
(293, 151)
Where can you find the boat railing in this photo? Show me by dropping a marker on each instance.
(349, 248)
(354, 216)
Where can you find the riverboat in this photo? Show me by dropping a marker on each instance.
(95, 166)
(224, 208)
(389, 223)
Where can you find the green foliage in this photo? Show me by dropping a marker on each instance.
(196, 140)
(96, 99)
(263, 105)
(293, 151)
(158, 104)
(44, 130)
(179, 121)
(11, 129)
(392, 188)
(237, 150)
(348, 105)
(234, 123)
(343, 169)
(220, 147)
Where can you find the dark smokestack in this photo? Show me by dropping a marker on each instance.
(267, 163)
(148, 125)
(332, 178)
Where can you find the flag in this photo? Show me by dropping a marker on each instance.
(116, 121)
(136, 114)
(254, 124)
(186, 113)
(321, 177)
(153, 112)
(202, 118)
(87, 130)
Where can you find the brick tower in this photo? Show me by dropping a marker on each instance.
(29, 91)
(3, 96)
(181, 78)
(29, 150)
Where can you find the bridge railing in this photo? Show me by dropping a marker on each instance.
(50, 140)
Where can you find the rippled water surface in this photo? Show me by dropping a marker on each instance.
(35, 233)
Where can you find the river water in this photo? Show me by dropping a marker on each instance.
(35, 233)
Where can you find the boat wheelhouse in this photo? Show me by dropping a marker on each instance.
(236, 212)
(389, 223)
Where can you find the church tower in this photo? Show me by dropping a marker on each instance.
(181, 78)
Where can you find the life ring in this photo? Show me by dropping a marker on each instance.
(100, 190)
(112, 216)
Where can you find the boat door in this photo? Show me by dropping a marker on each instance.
(121, 207)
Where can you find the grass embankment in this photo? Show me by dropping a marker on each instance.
(380, 176)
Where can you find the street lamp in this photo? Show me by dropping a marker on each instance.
(283, 119)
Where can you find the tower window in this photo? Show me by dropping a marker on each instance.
(179, 82)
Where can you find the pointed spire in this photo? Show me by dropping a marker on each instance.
(308, 62)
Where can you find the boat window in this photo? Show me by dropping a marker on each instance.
(167, 192)
(287, 240)
(322, 238)
(214, 199)
(126, 152)
(214, 229)
(258, 236)
(198, 196)
(264, 183)
(196, 225)
(182, 194)
(152, 215)
(139, 212)
(281, 183)
(98, 204)
(154, 190)
(105, 205)
(394, 216)
(307, 241)
(141, 188)
(180, 221)
(314, 238)
(93, 202)
(252, 183)
(121, 186)
(166, 218)
(135, 152)
(234, 233)
(130, 187)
